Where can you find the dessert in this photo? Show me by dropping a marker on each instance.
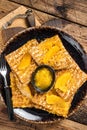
(68, 76)
(52, 52)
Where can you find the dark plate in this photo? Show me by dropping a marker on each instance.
(77, 52)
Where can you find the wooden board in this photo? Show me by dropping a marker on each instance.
(6, 7)
(16, 23)
(72, 10)
(21, 125)
(78, 32)
(12, 30)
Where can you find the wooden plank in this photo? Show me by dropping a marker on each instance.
(78, 32)
(6, 7)
(5, 124)
(17, 22)
(73, 10)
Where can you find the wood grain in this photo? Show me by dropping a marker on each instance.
(6, 7)
(16, 23)
(21, 125)
(77, 31)
(73, 10)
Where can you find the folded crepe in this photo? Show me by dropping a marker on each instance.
(52, 52)
(21, 62)
(69, 77)
(69, 81)
(58, 100)
(19, 99)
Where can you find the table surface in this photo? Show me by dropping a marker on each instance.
(69, 16)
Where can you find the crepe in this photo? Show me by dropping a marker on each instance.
(69, 81)
(25, 89)
(19, 99)
(52, 52)
(21, 62)
(69, 77)
(58, 100)
(52, 103)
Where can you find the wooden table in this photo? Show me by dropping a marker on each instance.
(69, 16)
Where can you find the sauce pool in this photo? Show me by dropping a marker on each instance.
(43, 78)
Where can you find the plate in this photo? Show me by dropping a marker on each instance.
(73, 47)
